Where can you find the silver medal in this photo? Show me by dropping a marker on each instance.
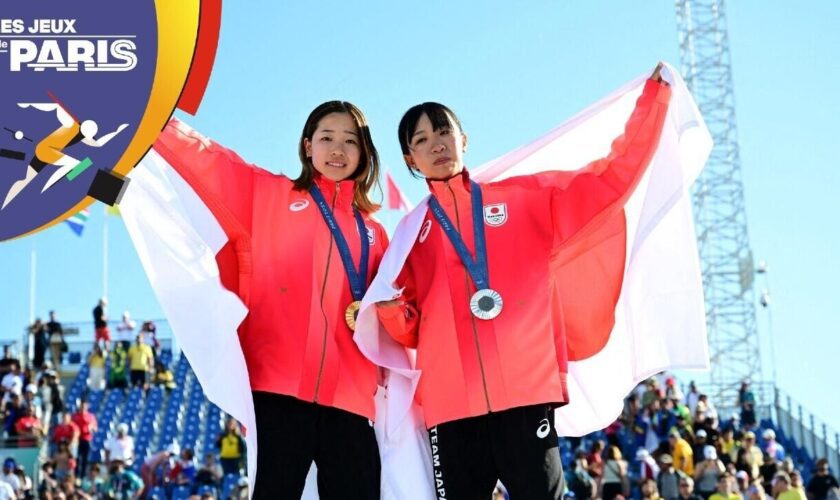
(486, 303)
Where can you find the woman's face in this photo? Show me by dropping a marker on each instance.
(335, 147)
(437, 154)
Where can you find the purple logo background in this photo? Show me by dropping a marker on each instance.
(108, 98)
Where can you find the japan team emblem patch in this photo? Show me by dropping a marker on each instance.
(371, 235)
(496, 214)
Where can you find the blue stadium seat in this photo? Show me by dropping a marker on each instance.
(228, 483)
(156, 493)
(181, 492)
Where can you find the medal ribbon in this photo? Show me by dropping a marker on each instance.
(476, 267)
(357, 279)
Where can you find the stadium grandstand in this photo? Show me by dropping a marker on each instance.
(763, 443)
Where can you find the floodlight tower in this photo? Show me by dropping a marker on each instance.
(718, 200)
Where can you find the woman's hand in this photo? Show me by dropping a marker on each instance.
(657, 73)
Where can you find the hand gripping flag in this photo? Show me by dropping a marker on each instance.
(658, 321)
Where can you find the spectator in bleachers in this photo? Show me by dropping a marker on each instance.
(96, 375)
(742, 484)
(686, 487)
(796, 483)
(70, 490)
(12, 411)
(49, 487)
(86, 422)
(782, 489)
(150, 330)
(595, 459)
(94, 484)
(821, 482)
(184, 470)
(708, 471)
(25, 483)
(12, 382)
(31, 400)
(700, 443)
(56, 394)
(649, 490)
(710, 411)
(152, 462)
(754, 456)
(8, 360)
(724, 488)
(64, 461)
(742, 462)
(682, 453)
(210, 472)
(125, 330)
(665, 419)
(6, 491)
(164, 377)
(117, 376)
(9, 477)
(669, 478)
(771, 446)
(728, 445)
(120, 448)
(614, 481)
(767, 471)
(57, 344)
(40, 341)
(100, 323)
(123, 482)
(28, 428)
(66, 431)
(140, 359)
(648, 468)
(240, 492)
(684, 428)
(652, 392)
(581, 482)
(231, 447)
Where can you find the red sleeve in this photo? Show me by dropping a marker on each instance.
(600, 189)
(401, 321)
(223, 180)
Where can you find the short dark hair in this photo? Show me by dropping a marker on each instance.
(440, 116)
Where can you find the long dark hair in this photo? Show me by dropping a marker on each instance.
(366, 176)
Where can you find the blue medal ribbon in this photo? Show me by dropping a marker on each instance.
(357, 279)
(476, 267)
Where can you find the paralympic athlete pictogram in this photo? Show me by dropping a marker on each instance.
(49, 150)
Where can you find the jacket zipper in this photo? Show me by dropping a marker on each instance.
(323, 312)
(472, 318)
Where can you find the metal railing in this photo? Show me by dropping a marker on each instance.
(817, 437)
(80, 336)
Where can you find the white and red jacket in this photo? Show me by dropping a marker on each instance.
(282, 262)
(470, 366)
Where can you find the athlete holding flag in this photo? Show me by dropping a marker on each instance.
(300, 255)
(479, 303)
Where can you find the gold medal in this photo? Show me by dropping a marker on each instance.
(351, 312)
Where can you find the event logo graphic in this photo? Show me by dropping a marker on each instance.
(87, 87)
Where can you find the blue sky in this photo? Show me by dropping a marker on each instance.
(512, 71)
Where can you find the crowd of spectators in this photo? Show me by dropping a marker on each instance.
(680, 446)
(682, 449)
